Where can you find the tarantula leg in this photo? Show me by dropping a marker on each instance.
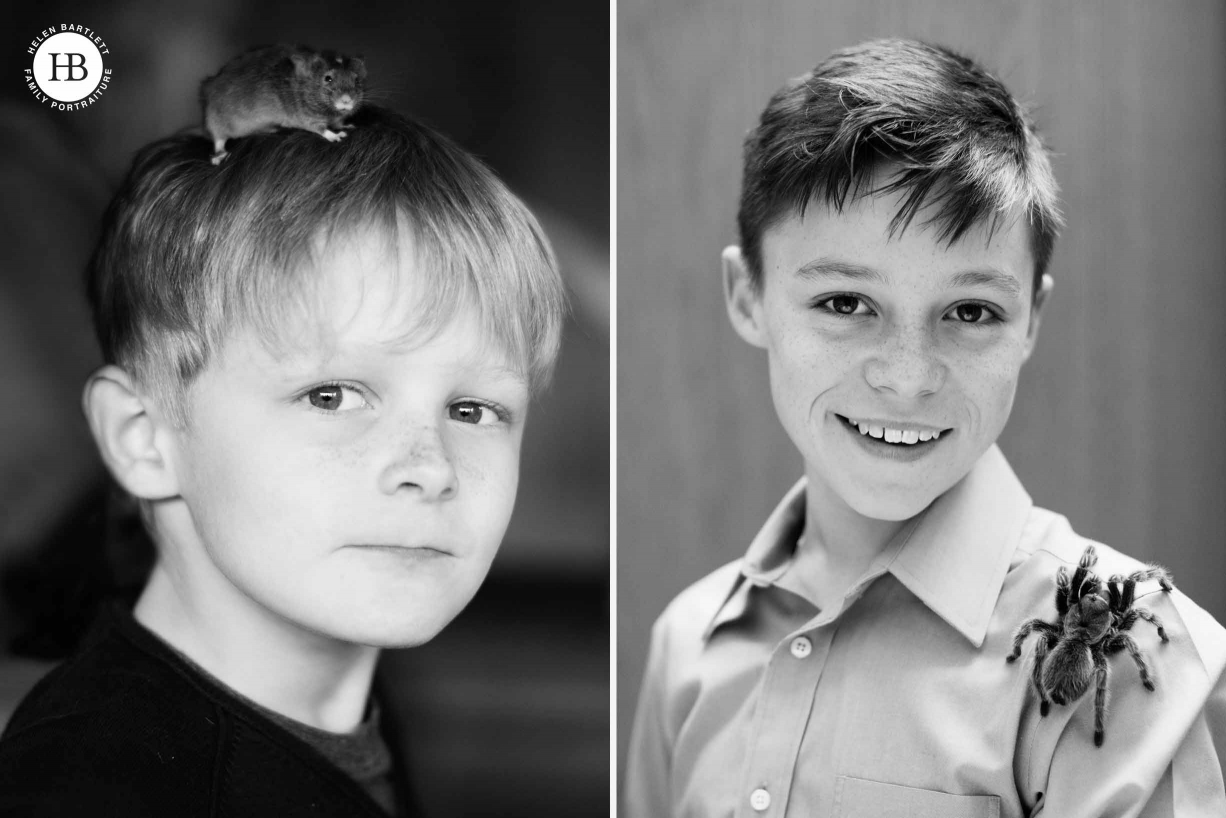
(1082, 574)
(1103, 671)
(1123, 590)
(1025, 630)
(1088, 558)
(1125, 642)
(1153, 619)
(1154, 572)
(1062, 591)
(1036, 676)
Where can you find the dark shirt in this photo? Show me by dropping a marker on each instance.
(362, 754)
(128, 727)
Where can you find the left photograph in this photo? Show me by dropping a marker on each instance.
(304, 478)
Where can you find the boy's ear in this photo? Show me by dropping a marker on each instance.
(743, 301)
(134, 442)
(1036, 313)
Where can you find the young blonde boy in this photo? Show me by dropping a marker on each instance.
(319, 364)
(897, 219)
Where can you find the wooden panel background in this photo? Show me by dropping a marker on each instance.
(1118, 418)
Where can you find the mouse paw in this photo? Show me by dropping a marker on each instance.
(333, 136)
(218, 157)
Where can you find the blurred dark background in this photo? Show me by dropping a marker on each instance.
(505, 713)
(1115, 419)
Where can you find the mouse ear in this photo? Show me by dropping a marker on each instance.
(359, 67)
(301, 66)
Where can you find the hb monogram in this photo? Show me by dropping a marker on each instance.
(70, 65)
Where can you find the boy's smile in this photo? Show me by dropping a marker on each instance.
(350, 480)
(895, 440)
(893, 360)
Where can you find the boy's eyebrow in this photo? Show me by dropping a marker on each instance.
(999, 280)
(301, 363)
(995, 279)
(488, 364)
(501, 372)
(827, 267)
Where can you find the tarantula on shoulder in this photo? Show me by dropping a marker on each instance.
(1090, 627)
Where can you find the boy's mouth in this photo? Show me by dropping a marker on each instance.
(408, 552)
(882, 432)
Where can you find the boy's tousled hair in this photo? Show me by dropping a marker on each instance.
(898, 117)
(191, 252)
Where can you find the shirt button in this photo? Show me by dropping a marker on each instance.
(801, 647)
(760, 799)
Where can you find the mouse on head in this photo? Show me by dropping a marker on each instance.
(281, 86)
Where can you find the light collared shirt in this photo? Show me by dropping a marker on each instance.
(898, 701)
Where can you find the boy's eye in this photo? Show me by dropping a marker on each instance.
(843, 305)
(336, 398)
(973, 314)
(478, 414)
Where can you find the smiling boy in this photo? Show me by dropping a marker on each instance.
(319, 364)
(897, 220)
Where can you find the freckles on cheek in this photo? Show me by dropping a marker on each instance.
(470, 468)
(1001, 364)
(837, 355)
(482, 467)
(812, 369)
(349, 457)
(490, 472)
(989, 382)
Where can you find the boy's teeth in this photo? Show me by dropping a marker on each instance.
(906, 437)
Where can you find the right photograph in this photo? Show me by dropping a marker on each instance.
(920, 342)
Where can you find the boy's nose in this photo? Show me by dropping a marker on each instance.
(907, 366)
(421, 463)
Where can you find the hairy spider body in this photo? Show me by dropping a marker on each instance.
(1090, 627)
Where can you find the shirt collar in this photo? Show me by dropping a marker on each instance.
(768, 558)
(953, 557)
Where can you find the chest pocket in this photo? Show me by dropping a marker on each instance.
(860, 798)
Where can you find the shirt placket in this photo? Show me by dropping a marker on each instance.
(781, 718)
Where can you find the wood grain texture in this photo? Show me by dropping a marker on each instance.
(1116, 423)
